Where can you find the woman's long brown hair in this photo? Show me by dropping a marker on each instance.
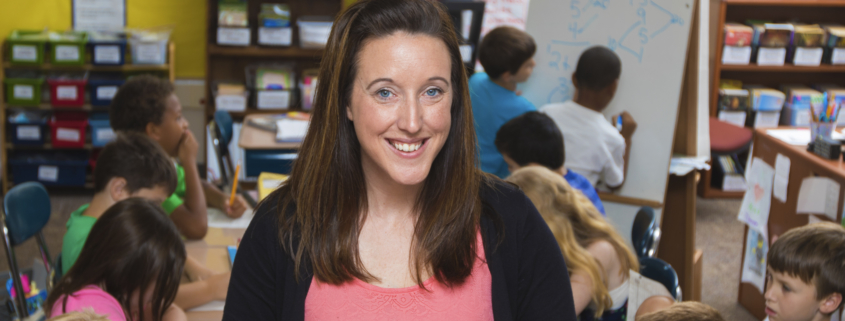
(132, 245)
(327, 187)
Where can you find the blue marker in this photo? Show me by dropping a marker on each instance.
(619, 123)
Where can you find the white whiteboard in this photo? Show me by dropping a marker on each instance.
(650, 37)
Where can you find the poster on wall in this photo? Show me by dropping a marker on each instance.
(89, 15)
(757, 200)
(754, 263)
(504, 13)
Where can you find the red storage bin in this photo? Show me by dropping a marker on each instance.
(68, 129)
(69, 92)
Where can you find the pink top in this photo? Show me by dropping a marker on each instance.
(90, 297)
(358, 300)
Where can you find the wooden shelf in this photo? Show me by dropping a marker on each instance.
(803, 3)
(271, 52)
(89, 67)
(785, 68)
(717, 193)
(11, 146)
(86, 107)
(248, 111)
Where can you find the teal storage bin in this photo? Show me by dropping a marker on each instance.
(68, 48)
(26, 47)
(23, 88)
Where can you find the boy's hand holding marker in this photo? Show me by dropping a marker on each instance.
(629, 126)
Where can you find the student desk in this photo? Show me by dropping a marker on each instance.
(211, 252)
(261, 151)
(782, 216)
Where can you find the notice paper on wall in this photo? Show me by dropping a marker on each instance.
(754, 263)
(781, 177)
(99, 14)
(757, 201)
(818, 195)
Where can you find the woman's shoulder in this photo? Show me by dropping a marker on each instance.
(505, 198)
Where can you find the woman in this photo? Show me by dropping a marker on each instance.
(385, 215)
(602, 268)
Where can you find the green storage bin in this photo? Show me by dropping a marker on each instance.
(26, 47)
(23, 88)
(68, 48)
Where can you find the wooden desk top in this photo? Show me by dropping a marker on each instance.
(212, 252)
(834, 167)
(254, 138)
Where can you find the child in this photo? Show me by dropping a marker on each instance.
(602, 270)
(596, 149)
(687, 311)
(806, 279)
(129, 268)
(135, 166)
(533, 139)
(85, 315)
(506, 55)
(146, 104)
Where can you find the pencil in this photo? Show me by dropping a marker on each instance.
(235, 184)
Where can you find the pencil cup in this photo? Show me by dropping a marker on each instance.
(825, 129)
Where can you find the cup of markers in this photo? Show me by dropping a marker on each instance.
(824, 111)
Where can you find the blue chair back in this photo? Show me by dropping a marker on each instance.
(645, 232)
(27, 208)
(224, 125)
(660, 271)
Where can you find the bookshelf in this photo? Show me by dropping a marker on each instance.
(805, 11)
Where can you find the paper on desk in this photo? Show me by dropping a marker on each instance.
(681, 166)
(798, 136)
(757, 200)
(782, 164)
(216, 218)
(210, 306)
(754, 263)
(292, 129)
(818, 195)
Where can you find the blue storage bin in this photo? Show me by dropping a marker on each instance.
(277, 161)
(56, 168)
(795, 115)
(107, 48)
(28, 128)
(101, 131)
(103, 87)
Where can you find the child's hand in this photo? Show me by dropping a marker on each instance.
(188, 147)
(237, 209)
(218, 285)
(629, 126)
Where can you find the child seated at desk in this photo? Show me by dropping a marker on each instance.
(506, 55)
(686, 311)
(146, 104)
(129, 268)
(806, 273)
(533, 139)
(595, 148)
(135, 166)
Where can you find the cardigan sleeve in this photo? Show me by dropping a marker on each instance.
(255, 280)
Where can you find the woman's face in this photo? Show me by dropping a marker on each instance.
(400, 106)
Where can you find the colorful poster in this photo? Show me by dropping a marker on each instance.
(504, 13)
(757, 201)
(754, 263)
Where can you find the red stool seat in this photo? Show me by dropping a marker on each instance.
(726, 138)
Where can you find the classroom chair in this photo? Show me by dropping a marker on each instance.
(26, 210)
(645, 233)
(222, 131)
(728, 139)
(660, 271)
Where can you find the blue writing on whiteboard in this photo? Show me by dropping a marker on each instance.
(573, 27)
(674, 19)
(562, 92)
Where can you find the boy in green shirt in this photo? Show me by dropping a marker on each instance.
(135, 166)
(146, 104)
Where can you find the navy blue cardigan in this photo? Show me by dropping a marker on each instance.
(530, 281)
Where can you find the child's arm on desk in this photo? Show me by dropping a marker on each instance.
(217, 199)
(191, 217)
(194, 294)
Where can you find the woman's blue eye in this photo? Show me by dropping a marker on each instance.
(432, 92)
(384, 93)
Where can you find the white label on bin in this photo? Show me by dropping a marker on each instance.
(66, 93)
(314, 36)
(24, 53)
(767, 119)
(275, 36)
(838, 56)
(23, 92)
(273, 99)
(808, 56)
(771, 56)
(733, 117)
(149, 53)
(29, 133)
(104, 134)
(233, 36)
(67, 134)
(230, 102)
(67, 53)
(107, 54)
(736, 55)
(106, 92)
(48, 173)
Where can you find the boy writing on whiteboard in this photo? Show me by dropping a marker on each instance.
(506, 53)
(595, 148)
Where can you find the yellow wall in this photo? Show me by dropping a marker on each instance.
(187, 17)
